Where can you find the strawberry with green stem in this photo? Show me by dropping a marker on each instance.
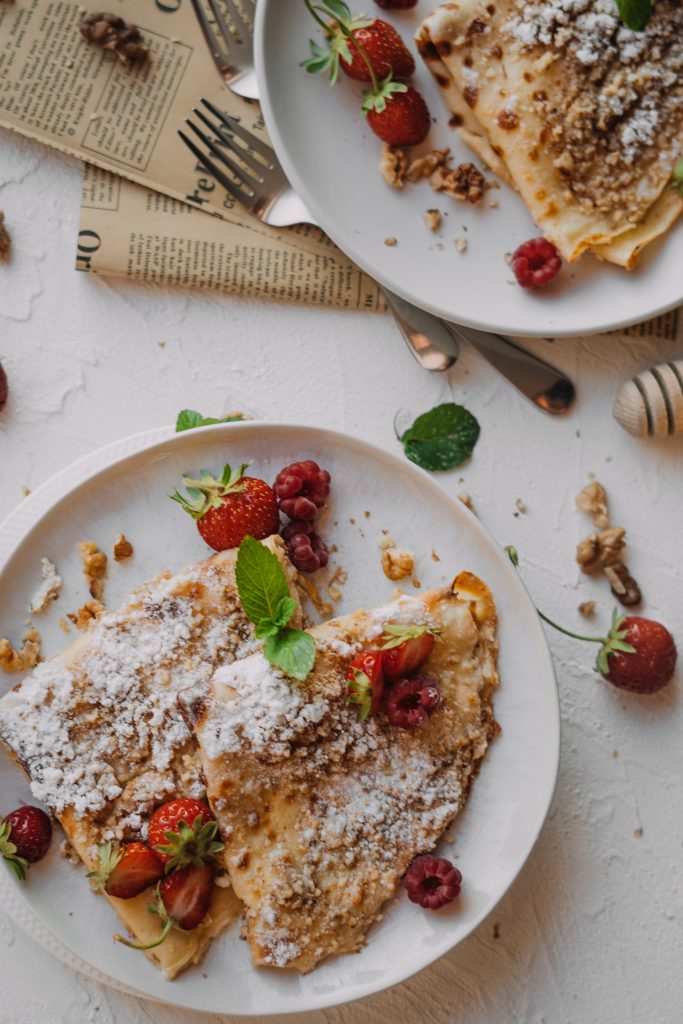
(230, 507)
(182, 902)
(638, 655)
(396, 113)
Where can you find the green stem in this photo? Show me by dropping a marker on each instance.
(148, 945)
(576, 636)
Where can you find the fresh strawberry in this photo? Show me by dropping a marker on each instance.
(231, 507)
(638, 655)
(405, 648)
(125, 870)
(25, 836)
(366, 682)
(385, 50)
(183, 900)
(183, 831)
(397, 114)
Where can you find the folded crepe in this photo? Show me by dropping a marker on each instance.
(321, 812)
(99, 732)
(581, 115)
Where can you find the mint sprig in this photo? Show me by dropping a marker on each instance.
(635, 14)
(265, 598)
(189, 419)
(442, 438)
(677, 177)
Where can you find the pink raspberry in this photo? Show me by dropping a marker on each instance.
(410, 701)
(307, 552)
(536, 263)
(302, 489)
(432, 882)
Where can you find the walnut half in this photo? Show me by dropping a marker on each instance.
(393, 166)
(593, 500)
(397, 563)
(599, 550)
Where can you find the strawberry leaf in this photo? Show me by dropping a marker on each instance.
(292, 651)
(442, 438)
(635, 14)
(339, 9)
(397, 635)
(677, 177)
(377, 101)
(360, 693)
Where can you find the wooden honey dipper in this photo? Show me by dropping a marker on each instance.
(651, 403)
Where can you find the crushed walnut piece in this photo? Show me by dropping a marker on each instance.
(325, 608)
(466, 499)
(587, 609)
(49, 589)
(94, 567)
(112, 33)
(622, 585)
(432, 219)
(393, 166)
(424, 166)
(397, 563)
(64, 625)
(593, 500)
(122, 548)
(28, 657)
(335, 582)
(86, 614)
(5, 240)
(391, 241)
(462, 182)
(461, 243)
(601, 549)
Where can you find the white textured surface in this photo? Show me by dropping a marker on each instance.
(591, 933)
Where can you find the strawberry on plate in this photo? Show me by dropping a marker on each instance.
(183, 900)
(397, 114)
(385, 50)
(25, 836)
(230, 507)
(183, 831)
(126, 870)
(366, 682)
(405, 648)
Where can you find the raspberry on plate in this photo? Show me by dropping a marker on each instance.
(307, 551)
(302, 489)
(432, 882)
(536, 263)
(410, 702)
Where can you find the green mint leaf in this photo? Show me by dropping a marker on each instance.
(285, 610)
(266, 627)
(442, 438)
(677, 177)
(635, 14)
(188, 419)
(292, 651)
(261, 581)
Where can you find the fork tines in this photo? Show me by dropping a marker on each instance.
(231, 36)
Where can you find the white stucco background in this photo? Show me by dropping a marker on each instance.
(592, 932)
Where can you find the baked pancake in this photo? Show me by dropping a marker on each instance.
(100, 735)
(321, 813)
(583, 116)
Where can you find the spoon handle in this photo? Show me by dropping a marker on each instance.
(541, 383)
(428, 338)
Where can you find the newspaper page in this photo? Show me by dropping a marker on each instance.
(130, 231)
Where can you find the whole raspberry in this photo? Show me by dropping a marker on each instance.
(411, 701)
(432, 882)
(307, 552)
(298, 526)
(536, 263)
(398, 5)
(302, 489)
(4, 387)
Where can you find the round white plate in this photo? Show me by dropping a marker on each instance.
(332, 159)
(124, 488)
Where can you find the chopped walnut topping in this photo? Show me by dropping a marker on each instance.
(112, 33)
(462, 182)
(5, 240)
(24, 659)
(601, 549)
(593, 500)
(397, 563)
(432, 219)
(94, 567)
(393, 166)
(122, 548)
(391, 241)
(424, 166)
(86, 613)
(622, 585)
(587, 609)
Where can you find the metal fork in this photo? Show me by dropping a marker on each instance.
(231, 42)
(259, 183)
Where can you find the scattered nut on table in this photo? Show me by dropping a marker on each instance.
(600, 549)
(622, 585)
(112, 33)
(593, 500)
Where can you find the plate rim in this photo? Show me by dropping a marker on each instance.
(65, 482)
(263, 9)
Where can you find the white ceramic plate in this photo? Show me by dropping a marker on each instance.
(331, 157)
(124, 488)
